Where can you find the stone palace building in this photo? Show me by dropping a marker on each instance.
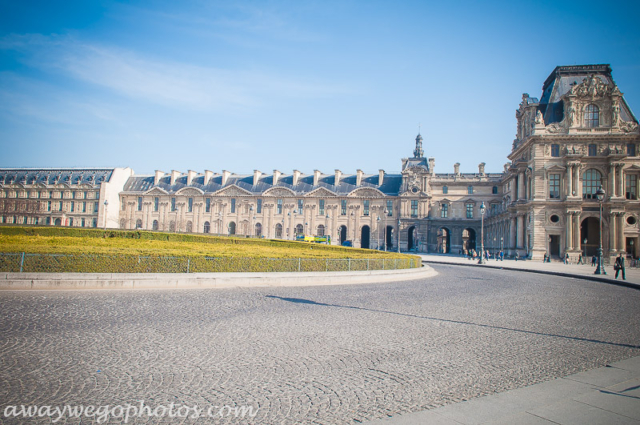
(578, 136)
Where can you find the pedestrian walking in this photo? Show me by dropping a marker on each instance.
(544, 259)
(594, 259)
(580, 259)
(566, 258)
(516, 256)
(619, 265)
(501, 255)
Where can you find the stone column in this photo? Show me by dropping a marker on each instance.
(613, 236)
(521, 186)
(576, 231)
(569, 179)
(620, 180)
(569, 219)
(620, 229)
(578, 182)
(512, 233)
(612, 180)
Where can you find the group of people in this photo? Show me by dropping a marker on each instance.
(472, 254)
(617, 266)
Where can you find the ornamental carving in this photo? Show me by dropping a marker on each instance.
(628, 127)
(233, 191)
(366, 193)
(189, 192)
(280, 192)
(319, 193)
(556, 128)
(593, 87)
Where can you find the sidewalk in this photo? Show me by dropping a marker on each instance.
(608, 395)
(553, 268)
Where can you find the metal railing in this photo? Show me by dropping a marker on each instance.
(98, 263)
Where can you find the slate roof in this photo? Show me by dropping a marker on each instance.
(51, 176)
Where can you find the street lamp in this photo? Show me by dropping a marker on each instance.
(386, 213)
(378, 228)
(398, 233)
(600, 269)
(251, 224)
(106, 204)
(501, 240)
(584, 242)
(353, 241)
(327, 232)
(482, 211)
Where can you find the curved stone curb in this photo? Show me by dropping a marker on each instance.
(550, 272)
(52, 281)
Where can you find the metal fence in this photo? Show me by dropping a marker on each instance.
(88, 263)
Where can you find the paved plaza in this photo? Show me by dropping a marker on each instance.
(317, 355)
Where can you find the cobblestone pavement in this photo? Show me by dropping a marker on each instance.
(325, 355)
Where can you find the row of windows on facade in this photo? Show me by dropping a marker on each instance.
(279, 206)
(445, 190)
(592, 150)
(71, 206)
(591, 181)
(70, 221)
(51, 194)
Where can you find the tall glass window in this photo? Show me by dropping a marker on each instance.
(554, 186)
(321, 206)
(591, 181)
(494, 190)
(84, 207)
(95, 207)
(444, 211)
(390, 208)
(48, 205)
(591, 116)
(470, 190)
(73, 205)
(365, 204)
(190, 205)
(259, 206)
(139, 203)
(156, 202)
(173, 204)
(631, 149)
(207, 206)
(233, 205)
(123, 206)
(555, 150)
(279, 206)
(300, 206)
(593, 150)
(631, 186)
(414, 208)
(469, 210)
(343, 207)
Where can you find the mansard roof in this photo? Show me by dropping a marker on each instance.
(390, 185)
(560, 82)
(51, 176)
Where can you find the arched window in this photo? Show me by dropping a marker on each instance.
(155, 225)
(207, 227)
(258, 230)
(189, 226)
(138, 224)
(591, 181)
(299, 229)
(320, 230)
(279, 231)
(232, 228)
(591, 116)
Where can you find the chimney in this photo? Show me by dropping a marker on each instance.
(276, 176)
(207, 176)
(432, 166)
(380, 177)
(359, 174)
(174, 175)
(337, 179)
(158, 176)
(190, 175)
(316, 177)
(456, 168)
(256, 176)
(225, 177)
(481, 168)
(296, 177)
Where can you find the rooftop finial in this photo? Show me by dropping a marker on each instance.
(418, 152)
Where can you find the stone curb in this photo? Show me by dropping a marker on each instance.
(52, 281)
(550, 272)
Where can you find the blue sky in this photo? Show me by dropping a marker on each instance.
(288, 85)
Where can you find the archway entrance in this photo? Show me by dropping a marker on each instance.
(389, 236)
(468, 239)
(554, 245)
(58, 222)
(343, 234)
(232, 228)
(444, 241)
(411, 238)
(365, 234)
(590, 232)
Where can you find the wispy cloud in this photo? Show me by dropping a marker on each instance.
(157, 81)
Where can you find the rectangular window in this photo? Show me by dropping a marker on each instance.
(156, 203)
(343, 207)
(50, 194)
(470, 190)
(445, 190)
(48, 205)
(631, 190)
(444, 211)
(207, 205)
(97, 195)
(321, 206)
(86, 195)
(84, 208)
(71, 222)
(259, 206)
(73, 195)
(469, 210)
(414, 208)
(94, 223)
(82, 222)
(95, 207)
(555, 150)
(73, 204)
(173, 204)
(139, 203)
(631, 149)
(593, 150)
(366, 207)
(390, 208)
(233, 205)
(494, 190)
(279, 206)
(554, 186)
(190, 205)
(300, 206)
(123, 204)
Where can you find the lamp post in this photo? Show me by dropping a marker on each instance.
(282, 230)
(289, 226)
(494, 247)
(386, 213)
(482, 211)
(584, 242)
(501, 240)
(251, 224)
(353, 241)
(106, 204)
(327, 232)
(306, 225)
(398, 233)
(378, 228)
(600, 269)
(633, 252)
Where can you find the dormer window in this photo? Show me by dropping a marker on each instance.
(591, 116)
